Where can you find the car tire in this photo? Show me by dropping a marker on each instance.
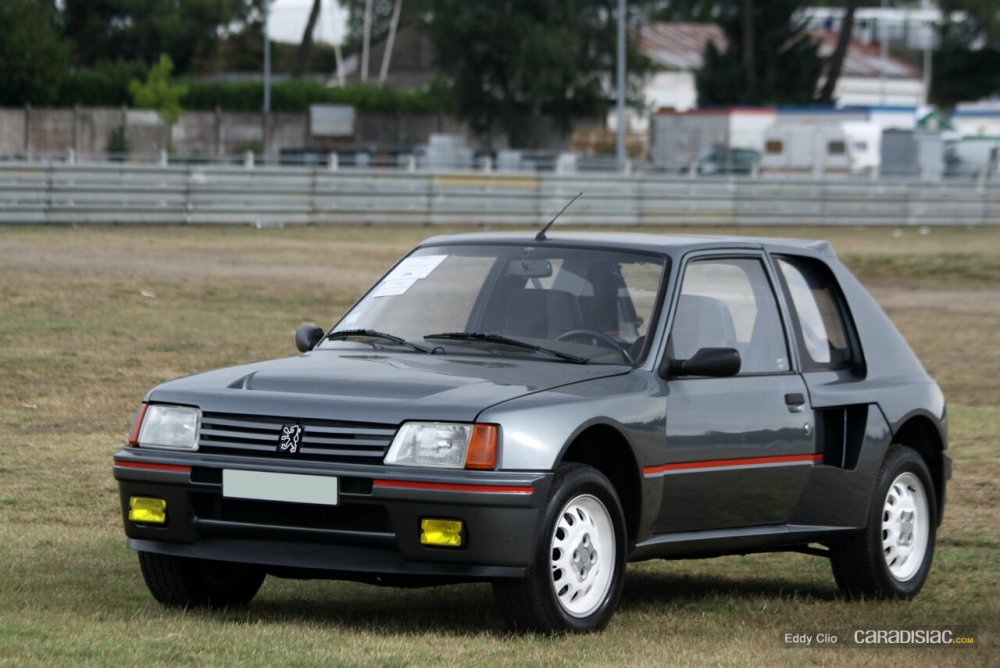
(577, 575)
(181, 582)
(892, 556)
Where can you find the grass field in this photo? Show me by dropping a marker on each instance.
(91, 318)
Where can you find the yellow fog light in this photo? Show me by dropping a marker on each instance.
(442, 533)
(147, 510)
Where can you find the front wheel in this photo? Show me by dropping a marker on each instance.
(892, 556)
(579, 568)
(182, 582)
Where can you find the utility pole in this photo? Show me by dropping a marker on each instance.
(366, 41)
(620, 138)
(749, 49)
(390, 42)
(883, 45)
(265, 129)
(267, 59)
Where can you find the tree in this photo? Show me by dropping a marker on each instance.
(699, 11)
(980, 25)
(835, 63)
(785, 64)
(381, 19)
(33, 56)
(158, 92)
(961, 74)
(511, 62)
(967, 60)
(189, 31)
(305, 46)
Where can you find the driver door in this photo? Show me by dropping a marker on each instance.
(739, 448)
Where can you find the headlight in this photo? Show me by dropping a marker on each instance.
(445, 445)
(171, 427)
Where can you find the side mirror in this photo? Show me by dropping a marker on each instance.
(714, 362)
(307, 336)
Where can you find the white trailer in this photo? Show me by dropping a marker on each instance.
(826, 141)
(678, 138)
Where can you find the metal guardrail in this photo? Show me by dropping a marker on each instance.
(212, 194)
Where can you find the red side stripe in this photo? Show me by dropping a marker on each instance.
(172, 468)
(449, 487)
(725, 463)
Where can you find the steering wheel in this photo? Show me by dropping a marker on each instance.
(593, 337)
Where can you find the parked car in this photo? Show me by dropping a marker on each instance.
(537, 411)
(726, 160)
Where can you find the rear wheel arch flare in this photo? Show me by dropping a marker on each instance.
(919, 433)
(608, 450)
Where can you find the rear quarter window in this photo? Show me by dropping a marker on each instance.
(819, 313)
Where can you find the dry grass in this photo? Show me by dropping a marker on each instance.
(81, 340)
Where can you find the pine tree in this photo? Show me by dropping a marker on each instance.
(785, 62)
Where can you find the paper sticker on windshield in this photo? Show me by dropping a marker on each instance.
(408, 272)
(416, 267)
(393, 286)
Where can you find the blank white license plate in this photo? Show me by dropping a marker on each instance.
(289, 487)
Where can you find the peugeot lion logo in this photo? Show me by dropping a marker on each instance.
(290, 437)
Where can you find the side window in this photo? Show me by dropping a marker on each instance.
(818, 316)
(729, 303)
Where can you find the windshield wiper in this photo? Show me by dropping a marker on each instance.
(373, 334)
(506, 340)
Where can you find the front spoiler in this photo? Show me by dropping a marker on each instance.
(374, 529)
(333, 561)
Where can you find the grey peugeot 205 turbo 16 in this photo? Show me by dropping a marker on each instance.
(535, 411)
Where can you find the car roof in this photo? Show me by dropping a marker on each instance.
(667, 244)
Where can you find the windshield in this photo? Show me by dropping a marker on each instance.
(565, 304)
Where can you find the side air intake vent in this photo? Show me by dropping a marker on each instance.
(840, 433)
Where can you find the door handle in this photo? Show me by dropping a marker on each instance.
(796, 402)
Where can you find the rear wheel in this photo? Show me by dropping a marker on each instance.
(576, 579)
(181, 582)
(892, 556)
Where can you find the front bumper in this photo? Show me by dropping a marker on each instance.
(373, 531)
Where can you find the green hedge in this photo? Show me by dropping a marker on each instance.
(297, 95)
(107, 86)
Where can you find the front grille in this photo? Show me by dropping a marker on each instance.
(324, 440)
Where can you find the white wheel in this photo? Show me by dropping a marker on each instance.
(583, 555)
(579, 566)
(891, 557)
(905, 526)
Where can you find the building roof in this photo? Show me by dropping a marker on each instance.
(864, 60)
(679, 46)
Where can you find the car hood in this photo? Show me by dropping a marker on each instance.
(376, 387)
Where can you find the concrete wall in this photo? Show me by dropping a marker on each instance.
(12, 124)
(50, 127)
(88, 130)
(94, 127)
